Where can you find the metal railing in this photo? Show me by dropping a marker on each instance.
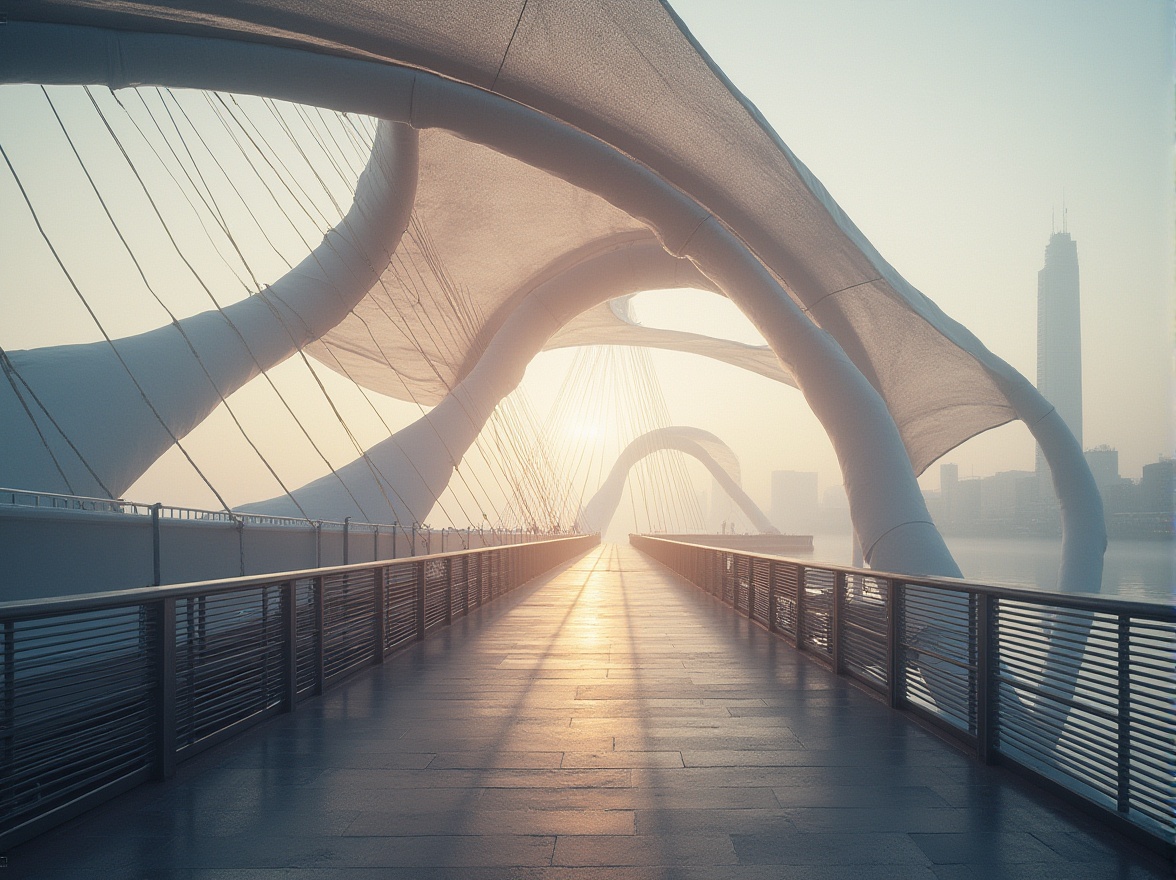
(100, 693)
(1078, 692)
(59, 501)
(113, 544)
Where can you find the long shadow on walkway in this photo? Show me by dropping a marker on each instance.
(609, 721)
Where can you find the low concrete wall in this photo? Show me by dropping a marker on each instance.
(48, 551)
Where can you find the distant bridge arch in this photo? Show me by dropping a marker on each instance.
(702, 445)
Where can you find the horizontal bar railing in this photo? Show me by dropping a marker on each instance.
(99, 693)
(1076, 691)
(26, 498)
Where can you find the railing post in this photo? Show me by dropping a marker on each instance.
(165, 671)
(394, 539)
(894, 686)
(381, 621)
(800, 607)
(772, 597)
(835, 625)
(985, 678)
(346, 540)
(448, 585)
(289, 611)
(320, 614)
(750, 588)
(156, 549)
(1123, 798)
(420, 600)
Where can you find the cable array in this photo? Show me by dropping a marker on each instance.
(207, 196)
(611, 397)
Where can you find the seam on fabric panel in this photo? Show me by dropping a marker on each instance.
(509, 43)
(412, 111)
(114, 62)
(693, 232)
(1041, 417)
(910, 522)
(825, 296)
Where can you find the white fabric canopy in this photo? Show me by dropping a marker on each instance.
(628, 72)
(617, 98)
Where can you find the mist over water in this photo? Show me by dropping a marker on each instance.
(1137, 570)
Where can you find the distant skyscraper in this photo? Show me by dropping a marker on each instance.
(1059, 335)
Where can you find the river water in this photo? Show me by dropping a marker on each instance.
(1136, 570)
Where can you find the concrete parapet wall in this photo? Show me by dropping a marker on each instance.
(50, 551)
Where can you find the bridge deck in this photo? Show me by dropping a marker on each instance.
(609, 721)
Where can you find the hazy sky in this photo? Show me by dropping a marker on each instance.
(950, 133)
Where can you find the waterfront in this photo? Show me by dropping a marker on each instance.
(1133, 569)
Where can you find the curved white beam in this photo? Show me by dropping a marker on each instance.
(421, 457)
(897, 535)
(186, 370)
(605, 324)
(600, 510)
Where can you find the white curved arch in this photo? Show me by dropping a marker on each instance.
(89, 394)
(695, 442)
(605, 324)
(422, 455)
(887, 507)
(897, 533)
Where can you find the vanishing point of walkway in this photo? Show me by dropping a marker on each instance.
(607, 721)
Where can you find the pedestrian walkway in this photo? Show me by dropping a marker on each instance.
(607, 721)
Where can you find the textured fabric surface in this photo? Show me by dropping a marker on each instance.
(625, 71)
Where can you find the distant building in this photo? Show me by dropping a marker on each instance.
(1059, 337)
(1157, 486)
(1103, 462)
(794, 502)
(1002, 504)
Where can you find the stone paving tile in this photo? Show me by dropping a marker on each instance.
(667, 797)
(819, 848)
(623, 759)
(492, 759)
(605, 723)
(984, 847)
(1132, 869)
(710, 821)
(533, 822)
(400, 780)
(661, 849)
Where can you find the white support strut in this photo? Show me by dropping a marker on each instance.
(89, 395)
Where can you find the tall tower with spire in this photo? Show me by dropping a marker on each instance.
(1059, 334)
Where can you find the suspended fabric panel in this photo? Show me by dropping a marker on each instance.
(627, 72)
(493, 228)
